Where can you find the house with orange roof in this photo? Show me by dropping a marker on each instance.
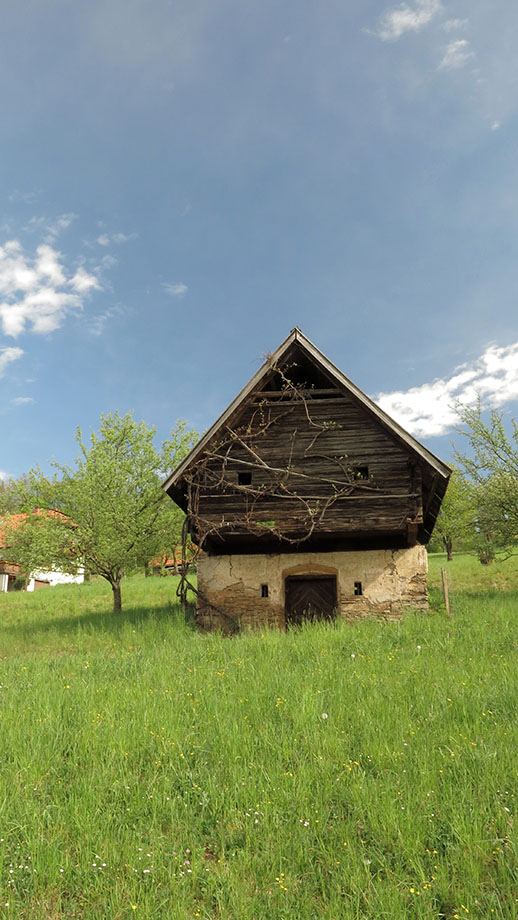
(10, 571)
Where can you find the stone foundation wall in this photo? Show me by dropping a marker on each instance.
(391, 580)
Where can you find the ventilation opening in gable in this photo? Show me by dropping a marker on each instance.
(244, 479)
(297, 370)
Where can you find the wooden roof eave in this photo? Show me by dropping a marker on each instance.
(297, 337)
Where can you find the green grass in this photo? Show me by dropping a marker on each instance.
(468, 576)
(349, 771)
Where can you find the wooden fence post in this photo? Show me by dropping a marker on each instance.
(445, 590)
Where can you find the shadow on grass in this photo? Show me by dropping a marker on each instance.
(104, 621)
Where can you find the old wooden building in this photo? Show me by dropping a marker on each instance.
(306, 499)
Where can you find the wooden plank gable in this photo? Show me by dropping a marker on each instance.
(302, 455)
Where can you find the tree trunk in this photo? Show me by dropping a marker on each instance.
(448, 546)
(117, 601)
(486, 556)
(486, 553)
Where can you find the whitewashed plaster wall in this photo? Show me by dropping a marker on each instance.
(391, 580)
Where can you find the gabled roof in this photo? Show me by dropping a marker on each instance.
(296, 337)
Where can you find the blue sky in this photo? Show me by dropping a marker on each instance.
(183, 182)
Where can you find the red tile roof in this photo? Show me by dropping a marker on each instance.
(15, 520)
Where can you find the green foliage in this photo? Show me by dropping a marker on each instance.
(167, 530)
(492, 467)
(363, 770)
(9, 495)
(19, 583)
(455, 526)
(43, 542)
(113, 515)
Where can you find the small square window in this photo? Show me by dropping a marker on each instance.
(264, 590)
(361, 472)
(244, 479)
(358, 589)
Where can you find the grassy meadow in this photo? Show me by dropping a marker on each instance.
(343, 771)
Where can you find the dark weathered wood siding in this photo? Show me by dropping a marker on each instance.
(300, 427)
(306, 463)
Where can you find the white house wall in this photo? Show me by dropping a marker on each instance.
(56, 578)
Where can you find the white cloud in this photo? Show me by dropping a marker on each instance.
(24, 197)
(37, 291)
(451, 24)
(51, 227)
(4, 476)
(83, 281)
(97, 323)
(22, 400)
(404, 18)
(495, 126)
(55, 227)
(47, 265)
(456, 55)
(105, 239)
(175, 288)
(429, 410)
(7, 356)
(107, 261)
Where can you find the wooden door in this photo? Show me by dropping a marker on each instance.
(310, 597)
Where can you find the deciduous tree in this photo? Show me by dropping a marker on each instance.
(492, 467)
(9, 494)
(456, 521)
(113, 513)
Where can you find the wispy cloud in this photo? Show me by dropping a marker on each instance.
(24, 197)
(37, 292)
(456, 55)
(97, 324)
(451, 24)
(401, 19)
(175, 288)
(107, 239)
(107, 261)
(429, 410)
(7, 356)
(4, 476)
(51, 227)
(22, 400)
